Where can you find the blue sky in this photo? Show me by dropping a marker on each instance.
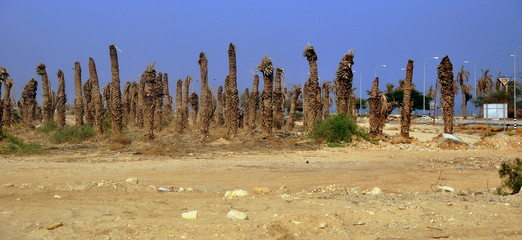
(173, 33)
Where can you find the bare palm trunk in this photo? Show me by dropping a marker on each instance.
(3, 77)
(343, 83)
(179, 107)
(219, 108)
(206, 96)
(140, 110)
(125, 102)
(313, 90)
(168, 109)
(117, 114)
(186, 100)
(61, 100)
(88, 107)
(194, 104)
(232, 95)
(246, 108)
(28, 103)
(47, 104)
(375, 108)
(445, 73)
(97, 103)
(267, 69)
(253, 103)
(7, 105)
(158, 102)
(326, 99)
(133, 102)
(78, 100)
(150, 95)
(278, 101)
(407, 102)
(293, 102)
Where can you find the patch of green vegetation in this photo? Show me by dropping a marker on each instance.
(72, 134)
(332, 145)
(510, 133)
(47, 128)
(14, 146)
(340, 128)
(511, 175)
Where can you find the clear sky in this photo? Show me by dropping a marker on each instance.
(173, 33)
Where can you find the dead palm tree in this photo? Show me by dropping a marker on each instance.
(97, 103)
(150, 95)
(47, 104)
(115, 100)
(278, 101)
(61, 100)
(293, 103)
(7, 105)
(343, 83)
(220, 119)
(186, 100)
(232, 95)
(158, 102)
(407, 104)
(179, 107)
(3, 77)
(462, 79)
(253, 102)
(313, 90)
(327, 100)
(447, 91)
(267, 69)
(246, 108)
(206, 96)
(78, 100)
(168, 109)
(194, 104)
(27, 104)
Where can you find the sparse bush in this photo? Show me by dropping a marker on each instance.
(339, 128)
(72, 134)
(48, 127)
(511, 173)
(15, 146)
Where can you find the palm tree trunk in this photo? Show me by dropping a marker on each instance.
(140, 110)
(313, 90)
(278, 101)
(194, 104)
(7, 105)
(232, 95)
(375, 108)
(186, 100)
(97, 103)
(219, 108)
(61, 100)
(206, 96)
(158, 102)
(253, 103)
(28, 103)
(179, 107)
(246, 107)
(343, 83)
(168, 109)
(125, 102)
(407, 102)
(293, 102)
(150, 96)
(117, 114)
(134, 89)
(445, 73)
(326, 99)
(78, 101)
(267, 69)
(47, 104)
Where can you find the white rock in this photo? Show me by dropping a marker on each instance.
(236, 193)
(192, 215)
(181, 189)
(376, 191)
(323, 225)
(8, 185)
(445, 189)
(132, 180)
(57, 196)
(233, 214)
(24, 185)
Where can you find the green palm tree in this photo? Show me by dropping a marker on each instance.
(485, 83)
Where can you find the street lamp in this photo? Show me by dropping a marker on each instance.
(515, 87)
(360, 92)
(424, 91)
(383, 65)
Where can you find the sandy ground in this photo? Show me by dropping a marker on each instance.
(302, 191)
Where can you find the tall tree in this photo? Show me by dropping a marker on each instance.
(47, 104)
(186, 100)
(7, 105)
(326, 99)
(232, 95)
(278, 100)
(206, 96)
(253, 102)
(293, 103)
(485, 83)
(447, 91)
(465, 89)
(78, 100)
(343, 83)
(150, 95)
(267, 69)
(313, 90)
(179, 107)
(407, 105)
(4, 75)
(61, 100)
(219, 108)
(169, 113)
(116, 107)
(28, 103)
(158, 102)
(97, 102)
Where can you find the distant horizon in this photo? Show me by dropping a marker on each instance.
(172, 34)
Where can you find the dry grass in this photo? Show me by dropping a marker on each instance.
(118, 142)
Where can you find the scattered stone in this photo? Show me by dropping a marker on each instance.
(181, 189)
(261, 190)
(323, 225)
(402, 208)
(220, 142)
(132, 180)
(54, 226)
(191, 154)
(24, 185)
(441, 188)
(163, 189)
(359, 223)
(236, 193)
(189, 189)
(8, 185)
(233, 214)
(192, 215)
(376, 191)
(58, 196)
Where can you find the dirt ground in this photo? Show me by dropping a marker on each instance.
(302, 190)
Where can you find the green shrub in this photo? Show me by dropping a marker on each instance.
(15, 146)
(339, 128)
(511, 173)
(47, 128)
(72, 134)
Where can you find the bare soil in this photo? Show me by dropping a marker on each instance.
(315, 191)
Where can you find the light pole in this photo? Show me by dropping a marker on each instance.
(424, 90)
(515, 87)
(475, 82)
(383, 65)
(360, 92)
